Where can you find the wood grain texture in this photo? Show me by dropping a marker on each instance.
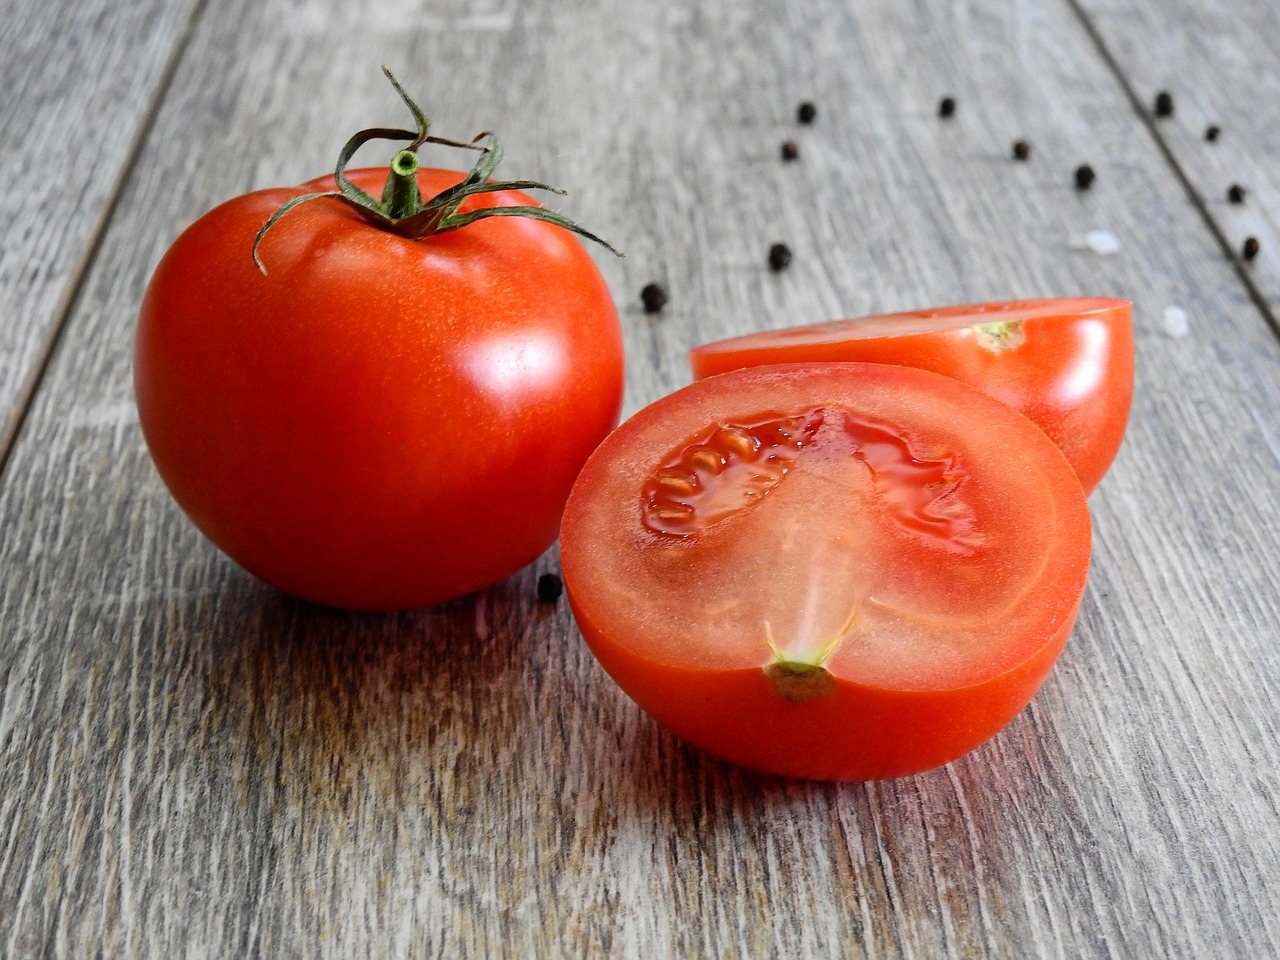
(192, 765)
(80, 79)
(1213, 58)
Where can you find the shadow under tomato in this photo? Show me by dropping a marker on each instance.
(312, 707)
(478, 746)
(671, 788)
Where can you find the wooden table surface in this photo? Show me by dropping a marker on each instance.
(192, 765)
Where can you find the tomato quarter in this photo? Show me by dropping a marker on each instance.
(1067, 364)
(835, 571)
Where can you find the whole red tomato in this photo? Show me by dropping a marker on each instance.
(378, 422)
(828, 570)
(1067, 363)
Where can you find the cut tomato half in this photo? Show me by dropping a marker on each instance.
(1067, 364)
(836, 571)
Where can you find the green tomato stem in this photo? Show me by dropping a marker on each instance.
(403, 211)
(400, 196)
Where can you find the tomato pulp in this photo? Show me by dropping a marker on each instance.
(835, 571)
(379, 422)
(1067, 364)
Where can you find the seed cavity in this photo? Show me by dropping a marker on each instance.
(734, 465)
(728, 469)
(921, 490)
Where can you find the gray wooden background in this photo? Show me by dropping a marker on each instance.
(192, 765)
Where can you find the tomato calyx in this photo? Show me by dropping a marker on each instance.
(402, 210)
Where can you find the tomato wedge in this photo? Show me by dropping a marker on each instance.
(835, 571)
(1067, 364)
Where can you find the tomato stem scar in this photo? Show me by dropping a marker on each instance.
(801, 679)
(800, 682)
(1000, 336)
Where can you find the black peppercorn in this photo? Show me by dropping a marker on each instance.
(1164, 104)
(654, 297)
(550, 587)
(947, 107)
(1212, 132)
(1235, 193)
(1250, 248)
(806, 112)
(1021, 150)
(779, 257)
(790, 151)
(1085, 176)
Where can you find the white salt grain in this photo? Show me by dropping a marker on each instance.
(1102, 242)
(1175, 322)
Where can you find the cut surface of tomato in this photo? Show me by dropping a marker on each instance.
(837, 571)
(1065, 363)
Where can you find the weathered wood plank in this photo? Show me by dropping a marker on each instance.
(1216, 60)
(79, 81)
(193, 765)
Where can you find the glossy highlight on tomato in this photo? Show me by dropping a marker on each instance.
(835, 571)
(378, 422)
(1067, 363)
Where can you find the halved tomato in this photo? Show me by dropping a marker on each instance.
(836, 571)
(1067, 364)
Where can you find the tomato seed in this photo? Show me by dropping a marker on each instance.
(947, 107)
(1164, 104)
(736, 441)
(707, 460)
(1021, 150)
(806, 112)
(671, 514)
(779, 257)
(1084, 176)
(1251, 248)
(1235, 193)
(790, 151)
(550, 586)
(677, 484)
(1212, 132)
(654, 297)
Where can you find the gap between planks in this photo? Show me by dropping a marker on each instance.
(70, 298)
(1179, 172)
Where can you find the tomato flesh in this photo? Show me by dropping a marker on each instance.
(837, 571)
(1067, 363)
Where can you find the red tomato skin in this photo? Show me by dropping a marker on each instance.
(378, 423)
(1072, 376)
(856, 733)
